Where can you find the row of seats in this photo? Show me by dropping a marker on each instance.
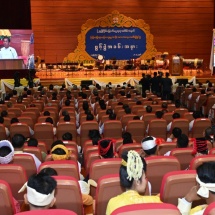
(157, 167)
(170, 181)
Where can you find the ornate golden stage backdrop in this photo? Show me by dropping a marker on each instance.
(115, 19)
(180, 26)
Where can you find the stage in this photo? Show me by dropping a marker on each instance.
(57, 77)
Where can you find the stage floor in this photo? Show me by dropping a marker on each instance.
(57, 77)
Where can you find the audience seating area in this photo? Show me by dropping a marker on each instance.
(165, 173)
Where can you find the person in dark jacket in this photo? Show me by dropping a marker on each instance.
(155, 84)
(166, 87)
(145, 82)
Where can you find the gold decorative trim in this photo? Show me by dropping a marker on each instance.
(115, 19)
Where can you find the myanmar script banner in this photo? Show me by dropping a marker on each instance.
(115, 37)
(118, 43)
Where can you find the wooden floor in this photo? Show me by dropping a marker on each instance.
(57, 77)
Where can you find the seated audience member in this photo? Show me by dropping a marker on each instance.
(6, 129)
(97, 99)
(57, 142)
(164, 107)
(136, 118)
(200, 146)
(209, 135)
(102, 107)
(196, 115)
(110, 98)
(158, 115)
(205, 189)
(6, 156)
(124, 106)
(60, 152)
(198, 97)
(89, 117)
(6, 152)
(133, 178)
(68, 136)
(112, 116)
(15, 120)
(127, 110)
(108, 112)
(67, 118)
(48, 171)
(65, 112)
(95, 136)
(67, 102)
(54, 96)
(40, 191)
(18, 141)
(86, 198)
(4, 113)
(50, 120)
(46, 113)
(176, 132)
(127, 138)
(148, 109)
(51, 87)
(174, 116)
(138, 102)
(34, 142)
(106, 148)
(182, 142)
(177, 103)
(85, 106)
(149, 146)
(191, 94)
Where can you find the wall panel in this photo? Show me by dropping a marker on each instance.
(178, 26)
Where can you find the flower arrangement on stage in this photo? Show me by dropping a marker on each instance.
(3, 33)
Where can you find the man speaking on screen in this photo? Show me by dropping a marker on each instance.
(7, 52)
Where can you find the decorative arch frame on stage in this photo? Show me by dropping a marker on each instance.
(109, 28)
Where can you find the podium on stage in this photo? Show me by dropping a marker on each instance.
(176, 65)
(11, 64)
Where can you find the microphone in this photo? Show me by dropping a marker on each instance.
(12, 53)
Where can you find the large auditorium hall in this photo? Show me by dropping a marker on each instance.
(107, 107)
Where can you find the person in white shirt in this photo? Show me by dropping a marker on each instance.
(18, 141)
(182, 142)
(89, 117)
(176, 132)
(196, 115)
(50, 120)
(7, 52)
(198, 97)
(158, 115)
(191, 94)
(112, 116)
(174, 116)
(148, 110)
(15, 120)
(205, 189)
